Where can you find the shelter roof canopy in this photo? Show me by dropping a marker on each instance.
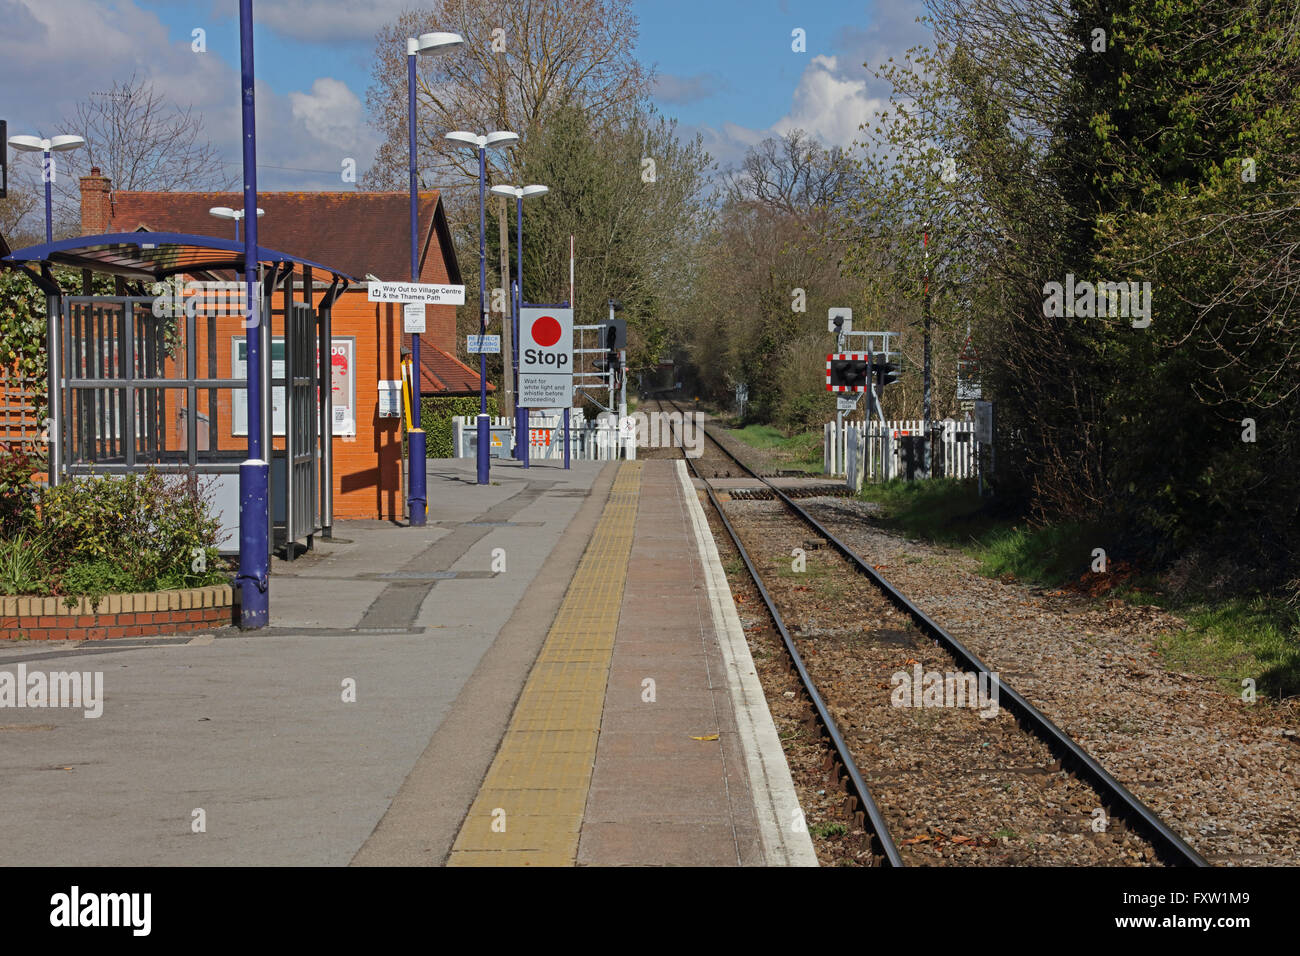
(153, 255)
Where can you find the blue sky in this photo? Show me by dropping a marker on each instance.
(726, 68)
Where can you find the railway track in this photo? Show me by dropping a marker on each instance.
(1018, 768)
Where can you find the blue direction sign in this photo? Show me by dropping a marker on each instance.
(477, 344)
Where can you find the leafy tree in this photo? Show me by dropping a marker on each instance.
(1115, 142)
(636, 224)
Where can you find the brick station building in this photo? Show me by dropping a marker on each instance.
(357, 234)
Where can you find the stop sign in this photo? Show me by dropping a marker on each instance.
(546, 340)
(545, 357)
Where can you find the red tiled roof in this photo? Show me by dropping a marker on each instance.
(355, 233)
(441, 373)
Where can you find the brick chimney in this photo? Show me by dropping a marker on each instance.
(96, 203)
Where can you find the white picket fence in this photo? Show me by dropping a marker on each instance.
(588, 441)
(876, 450)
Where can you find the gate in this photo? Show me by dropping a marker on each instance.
(294, 495)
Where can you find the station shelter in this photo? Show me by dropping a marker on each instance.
(356, 234)
(136, 382)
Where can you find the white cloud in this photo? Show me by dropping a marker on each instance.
(836, 93)
(829, 104)
(57, 54)
(331, 112)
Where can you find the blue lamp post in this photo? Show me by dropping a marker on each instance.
(55, 144)
(427, 43)
(521, 411)
(481, 143)
(254, 579)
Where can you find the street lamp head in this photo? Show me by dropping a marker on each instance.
(225, 212)
(514, 191)
(498, 138)
(36, 144)
(29, 144)
(534, 191)
(436, 42)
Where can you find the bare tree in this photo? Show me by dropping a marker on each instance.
(141, 142)
(15, 225)
(793, 174)
(520, 60)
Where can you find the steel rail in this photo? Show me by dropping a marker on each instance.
(1133, 811)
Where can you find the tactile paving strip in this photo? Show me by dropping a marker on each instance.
(529, 810)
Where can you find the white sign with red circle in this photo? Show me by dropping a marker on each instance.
(545, 357)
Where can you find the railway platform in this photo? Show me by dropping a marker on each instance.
(550, 673)
(641, 735)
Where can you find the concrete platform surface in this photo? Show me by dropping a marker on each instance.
(252, 741)
(550, 672)
(686, 769)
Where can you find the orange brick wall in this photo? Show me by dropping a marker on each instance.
(368, 469)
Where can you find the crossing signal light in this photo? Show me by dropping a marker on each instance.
(886, 373)
(615, 334)
(848, 372)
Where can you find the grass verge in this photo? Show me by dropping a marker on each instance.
(801, 452)
(1255, 637)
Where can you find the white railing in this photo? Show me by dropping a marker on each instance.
(878, 450)
(588, 441)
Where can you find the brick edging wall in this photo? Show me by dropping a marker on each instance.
(117, 615)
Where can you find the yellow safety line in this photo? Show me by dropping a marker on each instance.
(529, 810)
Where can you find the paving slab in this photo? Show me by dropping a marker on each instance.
(300, 744)
(657, 706)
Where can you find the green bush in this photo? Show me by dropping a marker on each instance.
(97, 535)
(17, 491)
(153, 526)
(435, 418)
(20, 565)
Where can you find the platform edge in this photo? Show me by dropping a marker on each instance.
(776, 805)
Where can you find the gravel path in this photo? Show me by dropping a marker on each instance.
(1223, 774)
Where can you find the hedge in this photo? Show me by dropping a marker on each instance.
(435, 418)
